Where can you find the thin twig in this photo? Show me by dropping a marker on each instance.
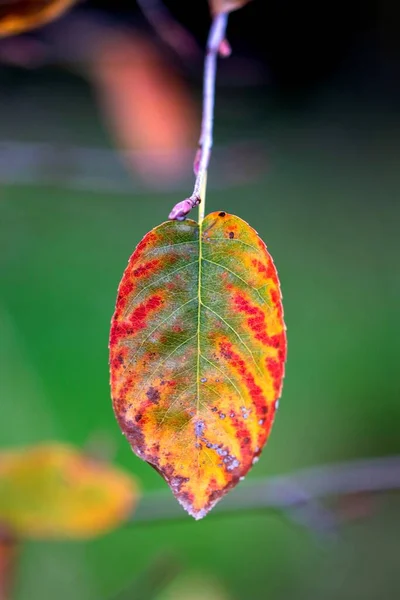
(202, 159)
(297, 494)
(168, 29)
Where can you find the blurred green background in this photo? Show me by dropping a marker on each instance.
(324, 200)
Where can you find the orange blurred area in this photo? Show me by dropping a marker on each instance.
(145, 104)
(17, 16)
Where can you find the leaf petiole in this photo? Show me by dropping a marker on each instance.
(202, 204)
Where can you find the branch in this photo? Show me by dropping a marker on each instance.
(202, 159)
(100, 170)
(169, 30)
(297, 494)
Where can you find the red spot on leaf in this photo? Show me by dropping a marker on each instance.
(268, 269)
(242, 433)
(258, 325)
(257, 320)
(125, 289)
(279, 341)
(138, 316)
(275, 368)
(117, 362)
(118, 331)
(146, 242)
(239, 365)
(276, 301)
(145, 269)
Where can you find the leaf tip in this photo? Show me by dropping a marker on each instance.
(197, 514)
(200, 515)
(200, 510)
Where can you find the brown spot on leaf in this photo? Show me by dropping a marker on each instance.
(134, 434)
(153, 395)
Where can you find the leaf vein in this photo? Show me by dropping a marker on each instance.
(237, 334)
(162, 362)
(229, 240)
(132, 358)
(146, 287)
(212, 262)
(226, 376)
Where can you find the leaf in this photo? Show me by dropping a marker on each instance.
(197, 351)
(17, 16)
(53, 491)
(218, 6)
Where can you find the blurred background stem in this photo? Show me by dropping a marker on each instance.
(297, 494)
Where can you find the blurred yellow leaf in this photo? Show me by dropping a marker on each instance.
(53, 491)
(218, 6)
(17, 16)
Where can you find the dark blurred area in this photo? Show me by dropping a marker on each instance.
(297, 46)
(99, 123)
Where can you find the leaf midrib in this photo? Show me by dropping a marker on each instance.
(199, 281)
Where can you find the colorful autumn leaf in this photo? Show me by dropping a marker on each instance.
(53, 491)
(197, 352)
(17, 16)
